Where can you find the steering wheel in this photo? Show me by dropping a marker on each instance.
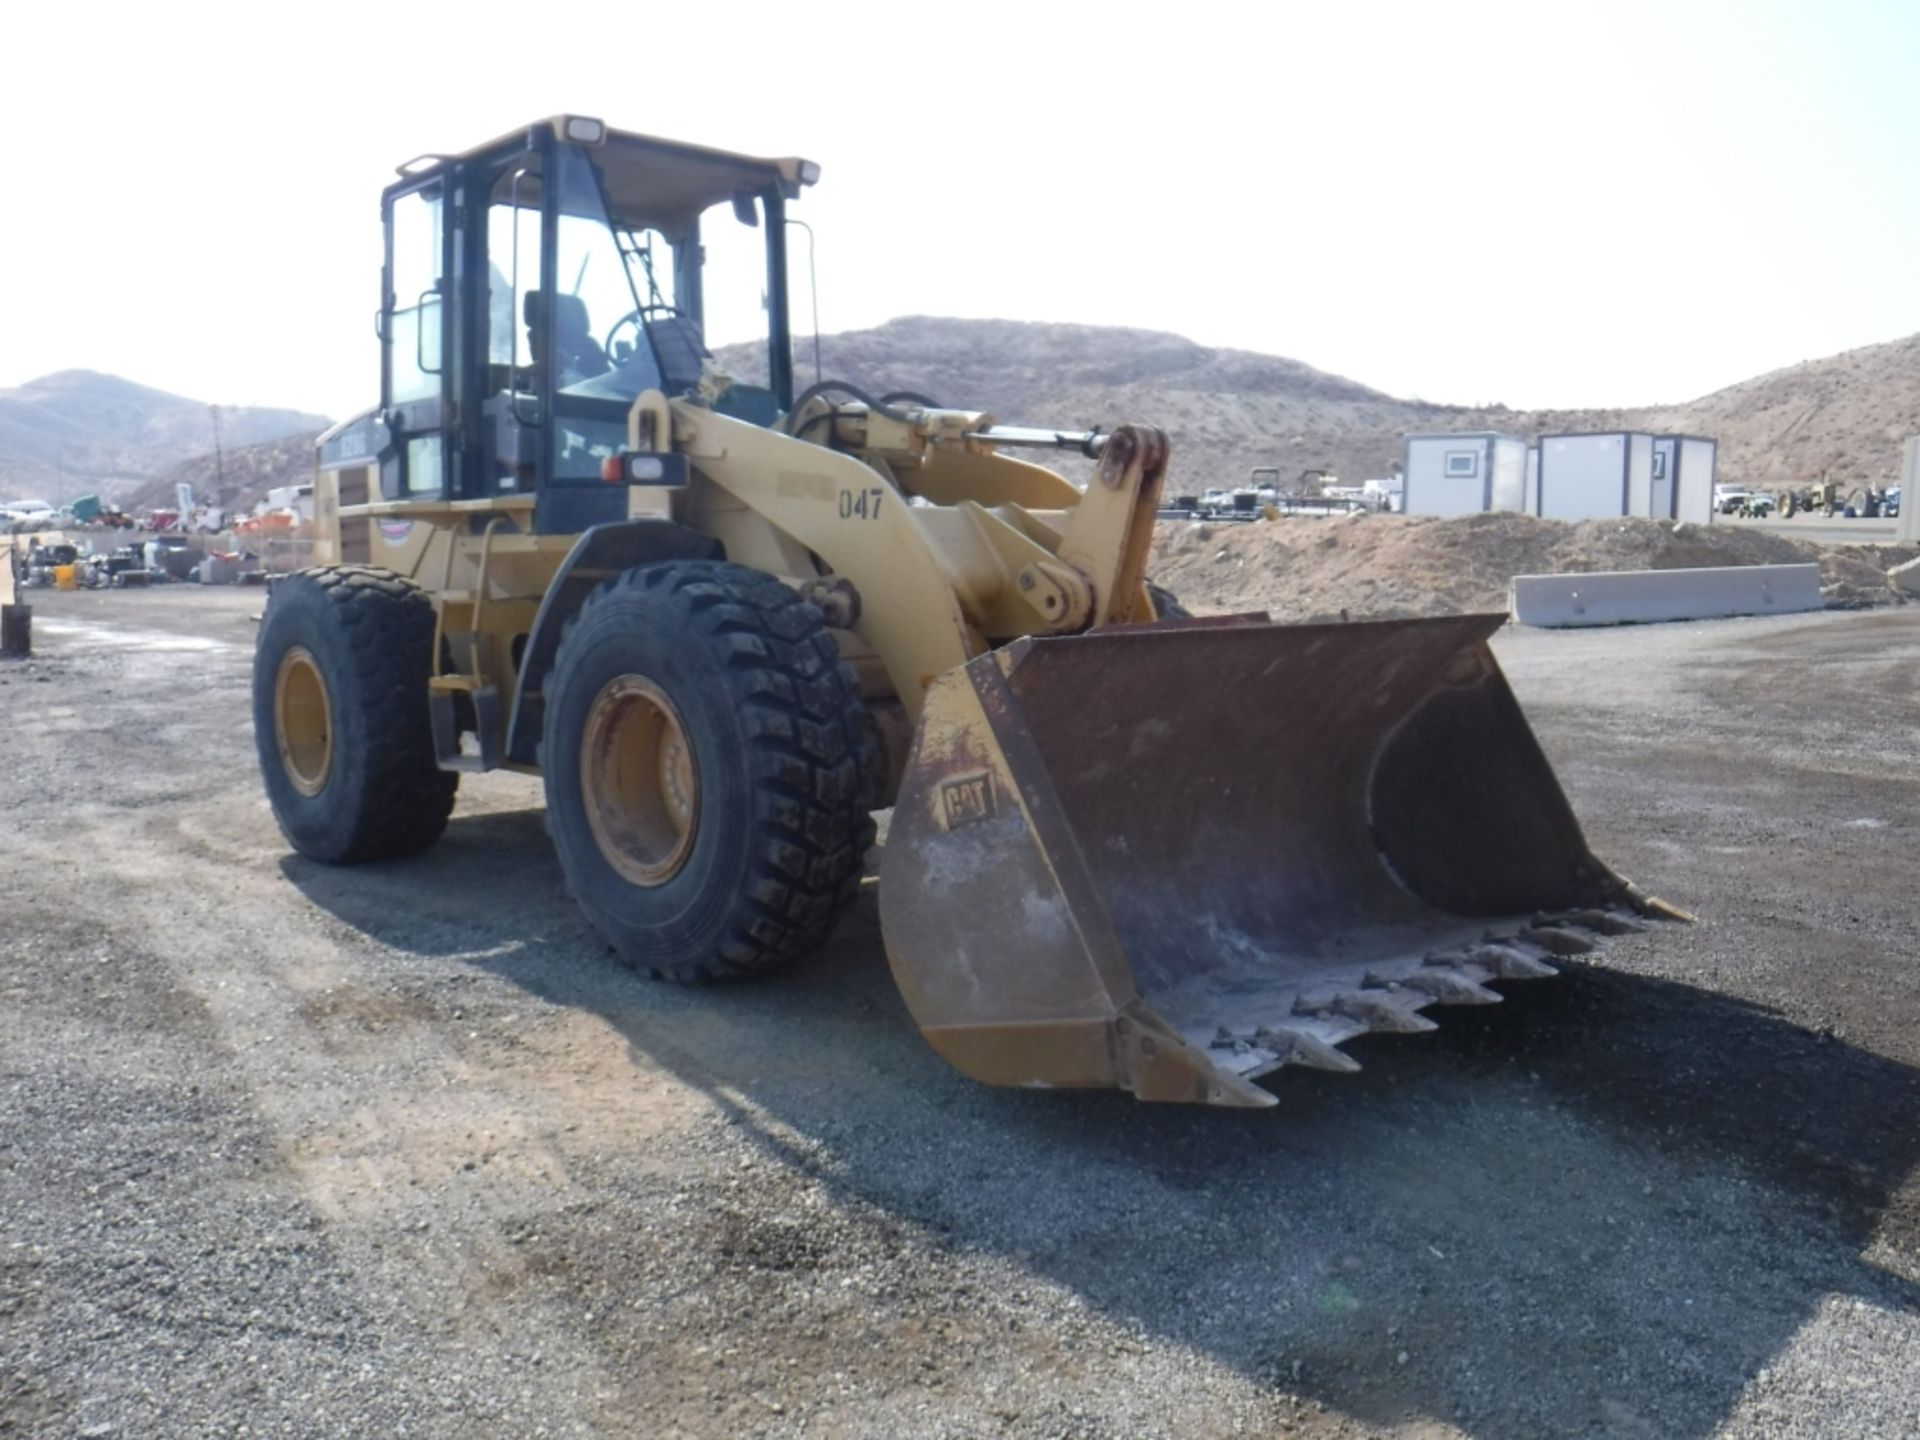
(638, 319)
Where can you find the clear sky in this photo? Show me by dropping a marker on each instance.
(1548, 204)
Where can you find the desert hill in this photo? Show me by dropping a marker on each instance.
(1228, 410)
(79, 432)
(1847, 413)
(238, 482)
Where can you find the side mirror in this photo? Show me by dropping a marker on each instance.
(744, 210)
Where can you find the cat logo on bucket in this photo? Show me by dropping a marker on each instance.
(967, 798)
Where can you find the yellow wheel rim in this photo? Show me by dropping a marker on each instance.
(639, 781)
(303, 721)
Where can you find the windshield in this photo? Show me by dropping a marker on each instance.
(591, 325)
(633, 307)
(640, 307)
(595, 315)
(724, 295)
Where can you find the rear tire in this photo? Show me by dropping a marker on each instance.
(708, 764)
(340, 715)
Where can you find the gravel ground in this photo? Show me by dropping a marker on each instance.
(397, 1151)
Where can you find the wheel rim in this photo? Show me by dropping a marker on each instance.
(303, 721)
(639, 781)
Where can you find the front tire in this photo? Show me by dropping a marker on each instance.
(340, 715)
(707, 761)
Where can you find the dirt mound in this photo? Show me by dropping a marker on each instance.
(1408, 565)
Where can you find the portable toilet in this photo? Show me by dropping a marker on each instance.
(1595, 476)
(1683, 482)
(1463, 474)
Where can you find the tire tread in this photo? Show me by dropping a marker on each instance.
(809, 745)
(389, 625)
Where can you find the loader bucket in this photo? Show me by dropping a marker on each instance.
(1173, 858)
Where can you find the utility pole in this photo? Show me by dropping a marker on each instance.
(219, 461)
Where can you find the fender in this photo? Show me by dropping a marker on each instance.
(600, 553)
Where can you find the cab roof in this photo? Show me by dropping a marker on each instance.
(650, 180)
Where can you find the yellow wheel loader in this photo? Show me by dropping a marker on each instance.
(726, 623)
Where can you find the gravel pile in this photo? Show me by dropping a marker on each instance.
(1383, 566)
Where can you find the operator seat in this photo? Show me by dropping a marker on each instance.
(577, 355)
(682, 353)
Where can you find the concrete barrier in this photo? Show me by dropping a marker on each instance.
(1628, 597)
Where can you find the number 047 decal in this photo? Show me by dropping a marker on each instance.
(861, 504)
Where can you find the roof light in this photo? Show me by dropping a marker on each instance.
(583, 128)
(809, 172)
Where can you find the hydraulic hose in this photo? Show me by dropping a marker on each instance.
(842, 387)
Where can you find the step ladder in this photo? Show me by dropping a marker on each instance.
(460, 612)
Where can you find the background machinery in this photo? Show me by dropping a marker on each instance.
(1831, 498)
(726, 622)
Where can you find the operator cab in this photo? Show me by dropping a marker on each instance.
(534, 286)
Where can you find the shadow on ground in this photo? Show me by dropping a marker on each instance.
(1600, 1208)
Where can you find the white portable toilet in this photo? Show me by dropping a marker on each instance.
(1691, 466)
(1595, 476)
(1463, 474)
(1532, 507)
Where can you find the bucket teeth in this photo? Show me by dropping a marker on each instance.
(1378, 1013)
(1653, 906)
(1558, 941)
(1509, 963)
(1451, 988)
(1601, 922)
(1303, 1047)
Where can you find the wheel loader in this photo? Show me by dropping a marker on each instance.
(727, 622)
